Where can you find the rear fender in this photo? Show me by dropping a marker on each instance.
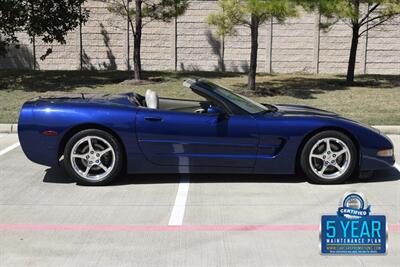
(65, 119)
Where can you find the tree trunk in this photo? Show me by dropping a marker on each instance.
(137, 38)
(251, 83)
(34, 52)
(222, 56)
(353, 54)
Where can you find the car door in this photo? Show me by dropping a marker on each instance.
(191, 139)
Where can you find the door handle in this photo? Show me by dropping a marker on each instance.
(153, 119)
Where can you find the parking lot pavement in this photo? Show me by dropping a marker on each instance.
(8, 142)
(228, 220)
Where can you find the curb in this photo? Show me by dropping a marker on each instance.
(386, 129)
(8, 128)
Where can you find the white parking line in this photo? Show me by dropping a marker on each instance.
(8, 149)
(397, 166)
(178, 211)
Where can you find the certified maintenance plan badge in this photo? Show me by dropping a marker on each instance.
(353, 230)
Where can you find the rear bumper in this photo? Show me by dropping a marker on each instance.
(38, 149)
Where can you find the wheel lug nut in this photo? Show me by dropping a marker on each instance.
(90, 162)
(97, 155)
(87, 157)
(334, 155)
(323, 157)
(329, 152)
(91, 152)
(97, 161)
(333, 162)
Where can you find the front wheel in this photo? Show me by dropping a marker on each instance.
(93, 157)
(329, 157)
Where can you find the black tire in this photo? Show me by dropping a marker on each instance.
(313, 141)
(113, 170)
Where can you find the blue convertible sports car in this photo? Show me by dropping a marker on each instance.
(98, 137)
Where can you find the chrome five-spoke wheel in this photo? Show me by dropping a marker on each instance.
(329, 157)
(93, 157)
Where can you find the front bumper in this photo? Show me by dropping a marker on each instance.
(370, 159)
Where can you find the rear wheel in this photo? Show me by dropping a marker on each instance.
(329, 157)
(93, 157)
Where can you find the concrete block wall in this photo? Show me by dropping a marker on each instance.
(19, 58)
(335, 48)
(157, 46)
(293, 45)
(103, 39)
(383, 53)
(298, 45)
(63, 57)
(197, 48)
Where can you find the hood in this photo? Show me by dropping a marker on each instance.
(303, 110)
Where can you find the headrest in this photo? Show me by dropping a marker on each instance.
(151, 99)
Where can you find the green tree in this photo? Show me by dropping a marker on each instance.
(224, 27)
(160, 10)
(252, 14)
(50, 20)
(360, 15)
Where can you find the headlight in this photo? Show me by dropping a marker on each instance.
(385, 153)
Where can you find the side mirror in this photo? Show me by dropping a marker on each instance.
(214, 110)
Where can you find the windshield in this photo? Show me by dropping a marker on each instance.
(243, 102)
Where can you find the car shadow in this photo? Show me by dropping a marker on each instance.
(388, 175)
(57, 175)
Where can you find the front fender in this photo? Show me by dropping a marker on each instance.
(293, 131)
